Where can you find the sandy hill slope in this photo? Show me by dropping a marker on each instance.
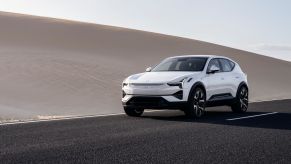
(57, 67)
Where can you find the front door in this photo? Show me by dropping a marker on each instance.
(214, 82)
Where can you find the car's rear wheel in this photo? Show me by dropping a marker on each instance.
(135, 112)
(242, 100)
(196, 103)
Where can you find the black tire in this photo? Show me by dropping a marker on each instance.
(242, 100)
(133, 112)
(196, 103)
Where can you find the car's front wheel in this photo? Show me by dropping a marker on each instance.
(242, 100)
(196, 103)
(133, 111)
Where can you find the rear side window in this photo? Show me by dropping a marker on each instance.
(231, 64)
(226, 65)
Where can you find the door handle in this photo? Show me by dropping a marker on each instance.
(222, 78)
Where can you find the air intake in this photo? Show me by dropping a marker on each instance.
(178, 95)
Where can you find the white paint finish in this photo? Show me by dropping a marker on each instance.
(217, 83)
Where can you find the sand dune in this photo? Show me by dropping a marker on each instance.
(52, 67)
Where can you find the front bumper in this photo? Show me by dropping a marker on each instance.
(154, 96)
(153, 102)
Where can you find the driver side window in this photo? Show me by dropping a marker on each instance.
(214, 62)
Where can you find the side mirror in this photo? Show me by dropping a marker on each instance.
(149, 69)
(213, 69)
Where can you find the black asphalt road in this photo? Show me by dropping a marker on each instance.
(157, 137)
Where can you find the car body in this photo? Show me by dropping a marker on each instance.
(173, 83)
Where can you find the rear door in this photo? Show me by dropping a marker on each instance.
(229, 77)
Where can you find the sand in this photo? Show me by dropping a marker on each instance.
(51, 67)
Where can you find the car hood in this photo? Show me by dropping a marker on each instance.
(159, 77)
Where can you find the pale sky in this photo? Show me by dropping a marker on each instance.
(262, 26)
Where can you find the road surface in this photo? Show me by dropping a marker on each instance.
(262, 135)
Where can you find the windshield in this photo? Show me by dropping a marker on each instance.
(181, 64)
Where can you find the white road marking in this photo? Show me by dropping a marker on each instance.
(269, 100)
(104, 115)
(54, 119)
(150, 111)
(258, 115)
(66, 118)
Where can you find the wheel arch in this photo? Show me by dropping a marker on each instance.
(241, 85)
(195, 85)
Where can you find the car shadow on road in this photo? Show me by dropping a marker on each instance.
(280, 120)
(275, 121)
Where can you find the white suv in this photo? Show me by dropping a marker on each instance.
(189, 83)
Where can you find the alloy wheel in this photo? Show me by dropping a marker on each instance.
(244, 99)
(199, 102)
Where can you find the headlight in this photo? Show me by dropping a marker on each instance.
(179, 84)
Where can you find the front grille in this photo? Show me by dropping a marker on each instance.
(147, 101)
(146, 84)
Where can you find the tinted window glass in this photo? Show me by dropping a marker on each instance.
(181, 64)
(231, 64)
(226, 64)
(213, 62)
